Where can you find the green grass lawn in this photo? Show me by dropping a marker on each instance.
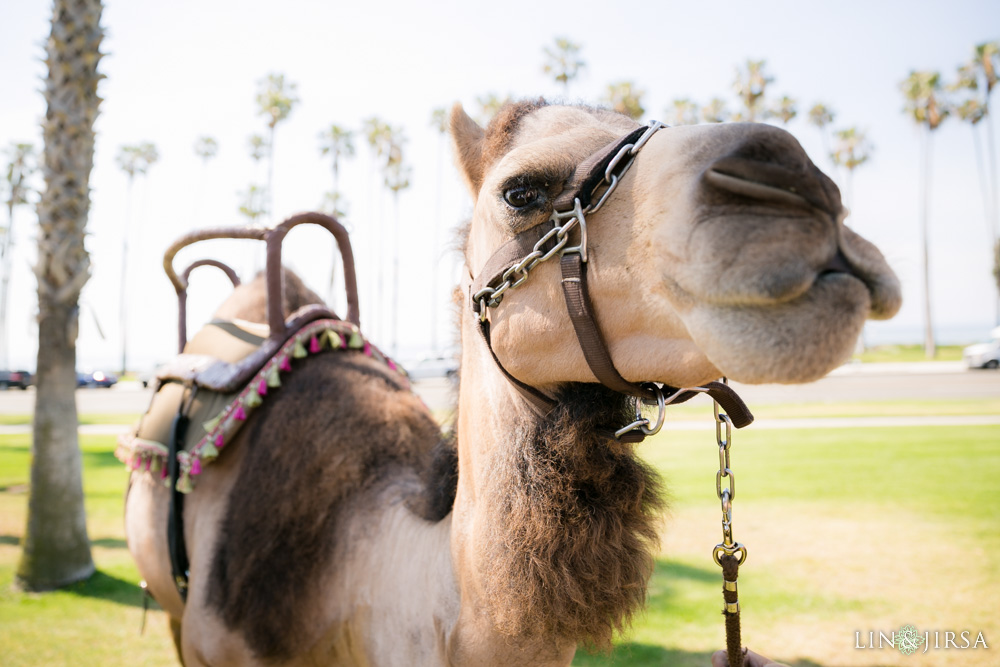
(884, 353)
(847, 530)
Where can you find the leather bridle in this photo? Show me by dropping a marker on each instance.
(590, 186)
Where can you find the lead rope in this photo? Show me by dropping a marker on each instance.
(729, 555)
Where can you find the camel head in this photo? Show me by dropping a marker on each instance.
(722, 252)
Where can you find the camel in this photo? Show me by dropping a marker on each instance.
(340, 527)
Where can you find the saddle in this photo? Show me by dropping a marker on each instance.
(219, 377)
(206, 393)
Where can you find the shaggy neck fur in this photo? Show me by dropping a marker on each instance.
(571, 518)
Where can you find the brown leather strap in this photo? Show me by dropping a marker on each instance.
(506, 256)
(538, 401)
(590, 172)
(595, 349)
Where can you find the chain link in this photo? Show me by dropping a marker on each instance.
(728, 494)
(490, 297)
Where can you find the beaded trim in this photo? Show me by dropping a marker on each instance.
(315, 337)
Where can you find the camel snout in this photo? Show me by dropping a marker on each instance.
(798, 184)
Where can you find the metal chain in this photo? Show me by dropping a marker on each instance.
(490, 297)
(726, 495)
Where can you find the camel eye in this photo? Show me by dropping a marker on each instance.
(521, 196)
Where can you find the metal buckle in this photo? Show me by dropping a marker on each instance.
(577, 219)
(642, 423)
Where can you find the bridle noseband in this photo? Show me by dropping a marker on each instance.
(592, 183)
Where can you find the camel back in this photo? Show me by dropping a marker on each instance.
(228, 368)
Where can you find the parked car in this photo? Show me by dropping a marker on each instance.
(431, 367)
(96, 379)
(984, 355)
(19, 379)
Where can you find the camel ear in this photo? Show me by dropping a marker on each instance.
(467, 139)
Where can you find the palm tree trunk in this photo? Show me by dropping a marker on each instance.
(122, 293)
(56, 547)
(270, 175)
(994, 220)
(984, 186)
(395, 275)
(6, 260)
(929, 347)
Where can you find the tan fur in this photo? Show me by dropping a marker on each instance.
(323, 533)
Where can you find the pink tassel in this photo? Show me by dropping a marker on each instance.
(286, 364)
(136, 462)
(314, 345)
(368, 349)
(220, 442)
(262, 387)
(390, 363)
(343, 342)
(240, 413)
(195, 466)
(163, 472)
(149, 462)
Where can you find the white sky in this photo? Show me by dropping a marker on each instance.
(179, 70)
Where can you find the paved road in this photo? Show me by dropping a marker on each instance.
(859, 382)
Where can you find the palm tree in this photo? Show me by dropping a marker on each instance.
(851, 150)
(715, 111)
(439, 121)
(336, 142)
(396, 179)
(56, 546)
(253, 203)
(821, 115)
(489, 105)
(922, 90)
(275, 100)
(563, 62)
(134, 159)
(985, 65)
(206, 148)
(750, 85)
(377, 134)
(20, 167)
(625, 97)
(785, 109)
(682, 112)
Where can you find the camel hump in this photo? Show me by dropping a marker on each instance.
(341, 428)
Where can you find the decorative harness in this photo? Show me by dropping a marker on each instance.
(590, 186)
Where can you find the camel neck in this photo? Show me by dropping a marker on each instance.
(538, 498)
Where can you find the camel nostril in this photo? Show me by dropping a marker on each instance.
(837, 264)
(801, 185)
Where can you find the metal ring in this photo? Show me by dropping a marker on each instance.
(731, 551)
(661, 408)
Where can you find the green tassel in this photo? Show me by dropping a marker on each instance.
(299, 351)
(356, 341)
(273, 377)
(334, 338)
(184, 483)
(253, 399)
(211, 424)
(209, 452)
(156, 464)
